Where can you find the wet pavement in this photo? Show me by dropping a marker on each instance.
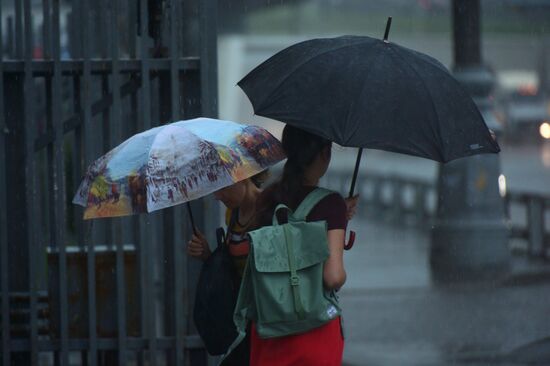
(395, 315)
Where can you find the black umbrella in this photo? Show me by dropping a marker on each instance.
(369, 93)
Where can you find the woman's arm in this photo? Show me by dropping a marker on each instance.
(334, 274)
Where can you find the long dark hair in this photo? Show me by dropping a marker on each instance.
(301, 148)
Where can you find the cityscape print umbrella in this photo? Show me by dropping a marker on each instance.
(173, 164)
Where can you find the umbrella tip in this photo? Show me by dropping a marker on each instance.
(387, 32)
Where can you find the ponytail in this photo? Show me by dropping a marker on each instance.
(301, 149)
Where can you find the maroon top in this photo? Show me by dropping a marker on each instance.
(331, 209)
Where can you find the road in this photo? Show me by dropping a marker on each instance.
(395, 315)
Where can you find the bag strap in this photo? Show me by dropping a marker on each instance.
(232, 221)
(220, 236)
(294, 279)
(280, 206)
(313, 198)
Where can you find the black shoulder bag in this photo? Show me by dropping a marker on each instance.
(216, 295)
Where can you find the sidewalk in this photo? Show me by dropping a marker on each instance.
(394, 315)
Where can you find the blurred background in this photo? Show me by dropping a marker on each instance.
(485, 302)
(396, 310)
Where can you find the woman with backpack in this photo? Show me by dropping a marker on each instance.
(308, 157)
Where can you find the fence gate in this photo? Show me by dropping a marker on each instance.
(77, 77)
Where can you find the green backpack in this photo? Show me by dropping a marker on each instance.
(282, 287)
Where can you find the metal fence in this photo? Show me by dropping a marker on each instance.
(407, 201)
(76, 79)
(529, 217)
(390, 198)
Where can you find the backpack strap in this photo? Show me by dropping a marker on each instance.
(280, 206)
(232, 220)
(294, 278)
(313, 198)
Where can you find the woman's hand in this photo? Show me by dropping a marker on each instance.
(351, 205)
(198, 246)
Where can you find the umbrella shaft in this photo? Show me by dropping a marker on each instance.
(191, 218)
(356, 171)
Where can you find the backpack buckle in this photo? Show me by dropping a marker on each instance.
(294, 280)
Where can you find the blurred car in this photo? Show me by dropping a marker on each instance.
(526, 114)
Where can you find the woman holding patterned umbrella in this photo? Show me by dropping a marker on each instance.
(240, 202)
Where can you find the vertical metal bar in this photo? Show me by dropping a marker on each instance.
(148, 291)
(76, 43)
(50, 159)
(191, 94)
(174, 57)
(536, 227)
(46, 29)
(208, 24)
(116, 135)
(179, 280)
(4, 290)
(132, 27)
(10, 37)
(78, 152)
(86, 96)
(59, 184)
(104, 26)
(104, 226)
(31, 181)
(147, 303)
(180, 323)
(74, 18)
(18, 29)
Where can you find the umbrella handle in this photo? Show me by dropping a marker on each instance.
(351, 240)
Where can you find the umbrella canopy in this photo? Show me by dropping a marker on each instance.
(173, 164)
(364, 92)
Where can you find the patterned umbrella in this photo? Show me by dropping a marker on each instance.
(173, 164)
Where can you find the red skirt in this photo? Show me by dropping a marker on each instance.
(321, 346)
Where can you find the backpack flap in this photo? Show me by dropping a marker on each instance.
(286, 301)
(310, 246)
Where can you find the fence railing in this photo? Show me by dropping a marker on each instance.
(408, 201)
(390, 198)
(76, 79)
(529, 218)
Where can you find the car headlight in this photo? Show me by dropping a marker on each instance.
(544, 130)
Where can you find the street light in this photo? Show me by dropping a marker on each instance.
(470, 236)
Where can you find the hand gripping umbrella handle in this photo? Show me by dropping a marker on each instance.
(351, 240)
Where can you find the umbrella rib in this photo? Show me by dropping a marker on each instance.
(261, 104)
(429, 94)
